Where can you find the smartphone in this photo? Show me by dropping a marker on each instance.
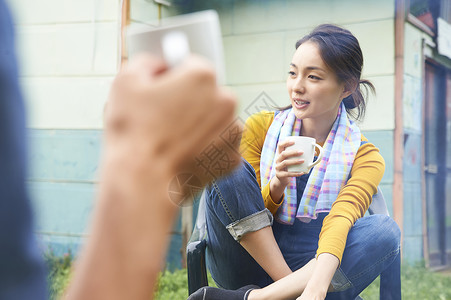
(198, 33)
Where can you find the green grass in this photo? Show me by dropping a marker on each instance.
(174, 285)
(58, 273)
(417, 282)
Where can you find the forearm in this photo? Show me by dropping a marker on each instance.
(289, 287)
(311, 280)
(333, 235)
(146, 145)
(262, 245)
(276, 189)
(128, 242)
(325, 267)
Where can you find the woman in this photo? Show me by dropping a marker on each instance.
(319, 244)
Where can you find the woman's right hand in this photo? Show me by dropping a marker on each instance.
(284, 159)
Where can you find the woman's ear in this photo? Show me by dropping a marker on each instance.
(349, 88)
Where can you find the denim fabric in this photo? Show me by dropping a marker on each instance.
(230, 263)
(22, 274)
(372, 246)
(250, 223)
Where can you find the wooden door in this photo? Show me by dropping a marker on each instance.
(437, 161)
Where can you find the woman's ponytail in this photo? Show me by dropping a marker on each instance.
(356, 102)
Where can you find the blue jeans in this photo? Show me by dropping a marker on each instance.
(235, 207)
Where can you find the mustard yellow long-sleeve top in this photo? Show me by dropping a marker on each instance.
(352, 201)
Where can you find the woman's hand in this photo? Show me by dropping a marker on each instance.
(319, 283)
(284, 159)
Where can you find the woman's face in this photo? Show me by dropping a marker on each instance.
(314, 90)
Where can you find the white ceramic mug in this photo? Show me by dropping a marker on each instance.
(306, 145)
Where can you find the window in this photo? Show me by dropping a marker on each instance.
(424, 13)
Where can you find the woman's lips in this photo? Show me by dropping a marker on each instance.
(300, 104)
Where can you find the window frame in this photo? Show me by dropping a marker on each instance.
(417, 22)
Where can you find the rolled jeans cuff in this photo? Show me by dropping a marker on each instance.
(250, 223)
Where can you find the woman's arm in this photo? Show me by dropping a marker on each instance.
(319, 271)
(351, 204)
(313, 280)
(254, 134)
(251, 146)
(352, 201)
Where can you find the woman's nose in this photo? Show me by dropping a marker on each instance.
(298, 86)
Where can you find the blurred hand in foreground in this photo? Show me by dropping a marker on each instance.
(159, 124)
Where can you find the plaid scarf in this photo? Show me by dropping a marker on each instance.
(326, 179)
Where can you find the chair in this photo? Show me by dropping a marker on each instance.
(195, 250)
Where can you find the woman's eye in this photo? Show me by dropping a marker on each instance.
(314, 77)
(291, 73)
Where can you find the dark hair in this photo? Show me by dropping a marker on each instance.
(341, 52)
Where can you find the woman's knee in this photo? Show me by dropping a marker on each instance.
(235, 196)
(372, 245)
(375, 232)
(387, 231)
(243, 178)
